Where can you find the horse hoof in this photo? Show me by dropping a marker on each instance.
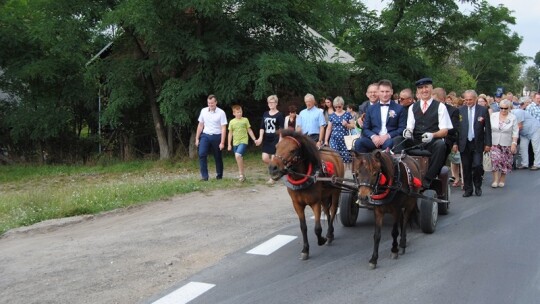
(402, 251)
(394, 256)
(322, 241)
(329, 241)
(372, 266)
(304, 256)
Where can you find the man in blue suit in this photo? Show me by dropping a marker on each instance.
(384, 121)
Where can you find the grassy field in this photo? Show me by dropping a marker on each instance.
(31, 194)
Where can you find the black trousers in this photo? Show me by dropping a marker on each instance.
(473, 170)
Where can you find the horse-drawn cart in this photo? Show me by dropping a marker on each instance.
(431, 202)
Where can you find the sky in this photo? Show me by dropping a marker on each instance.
(526, 12)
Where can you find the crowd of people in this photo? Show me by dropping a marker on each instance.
(473, 133)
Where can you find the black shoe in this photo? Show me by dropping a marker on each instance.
(478, 191)
(204, 179)
(467, 194)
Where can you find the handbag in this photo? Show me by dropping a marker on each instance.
(486, 162)
(350, 139)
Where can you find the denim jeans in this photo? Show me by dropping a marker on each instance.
(207, 144)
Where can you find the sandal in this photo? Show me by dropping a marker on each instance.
(241, 178)
(456, 184)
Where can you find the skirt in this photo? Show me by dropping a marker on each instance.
(501, 159)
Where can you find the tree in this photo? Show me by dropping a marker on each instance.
(44, 47)
(170, 55)
(492, 56)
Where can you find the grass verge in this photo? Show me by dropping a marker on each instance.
(31, 194)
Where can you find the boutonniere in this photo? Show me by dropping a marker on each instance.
(392, 113)
(481, 119)
(460, 118)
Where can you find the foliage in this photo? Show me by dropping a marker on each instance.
(167, 56)
(531, 78)
(44, 47)
(491, 56)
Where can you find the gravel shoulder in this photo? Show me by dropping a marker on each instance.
(128, 255)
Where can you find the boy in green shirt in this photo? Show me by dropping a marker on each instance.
(239, 128)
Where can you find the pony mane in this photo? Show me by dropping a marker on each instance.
(308, 148)
(387, 165)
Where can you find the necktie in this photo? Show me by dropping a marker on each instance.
(470, 136)
(424, 107)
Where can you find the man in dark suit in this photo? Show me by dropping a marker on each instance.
(474, 138)
(453, 112)
(384, 121)
(372, 94)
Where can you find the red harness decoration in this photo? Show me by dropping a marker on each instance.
(383, 182)
(417, 183)
(302, 180)
(330, 170)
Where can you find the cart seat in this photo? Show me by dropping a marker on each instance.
(419, 152)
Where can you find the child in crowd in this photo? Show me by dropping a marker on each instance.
(271, 125)
(239, 128)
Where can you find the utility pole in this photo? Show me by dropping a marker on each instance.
(99, 120)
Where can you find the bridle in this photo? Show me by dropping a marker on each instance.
(380, 188)
(288, 163)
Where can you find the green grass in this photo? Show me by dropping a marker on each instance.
(31, 194)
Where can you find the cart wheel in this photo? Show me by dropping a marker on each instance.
(348, 209)
(428, 212)
(443, 207)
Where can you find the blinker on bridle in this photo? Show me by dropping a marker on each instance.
(287, 163)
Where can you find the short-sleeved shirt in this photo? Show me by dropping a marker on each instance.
(212, 120)
(239, 129)
(310, 120)
(271, 124)
(534, 110)
(530, 124)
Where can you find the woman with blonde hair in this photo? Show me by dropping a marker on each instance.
(338, 127)
(504, 136)
(483, 101)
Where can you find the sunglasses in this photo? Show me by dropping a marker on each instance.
(504, 108)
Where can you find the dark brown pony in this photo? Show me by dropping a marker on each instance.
(298, 158)
(384, 183)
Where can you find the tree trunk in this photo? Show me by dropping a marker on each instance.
(164, 152)
(170, 143)
(192, 150)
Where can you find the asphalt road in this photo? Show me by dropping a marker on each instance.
(486, 250)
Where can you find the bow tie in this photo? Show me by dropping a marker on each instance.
(385, 104)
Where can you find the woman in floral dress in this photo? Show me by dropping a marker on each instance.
(504, 136)
(338, 127)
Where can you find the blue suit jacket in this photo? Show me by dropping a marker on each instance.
(396, 121)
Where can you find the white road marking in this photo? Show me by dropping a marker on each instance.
(185, 293)
(272, 244)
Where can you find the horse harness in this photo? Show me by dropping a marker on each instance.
(324, 171)
(385, 189)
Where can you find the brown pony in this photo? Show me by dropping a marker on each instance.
(298, 158)
(384, 182)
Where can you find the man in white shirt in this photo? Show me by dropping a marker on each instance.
(428, 123)
(210, 136)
